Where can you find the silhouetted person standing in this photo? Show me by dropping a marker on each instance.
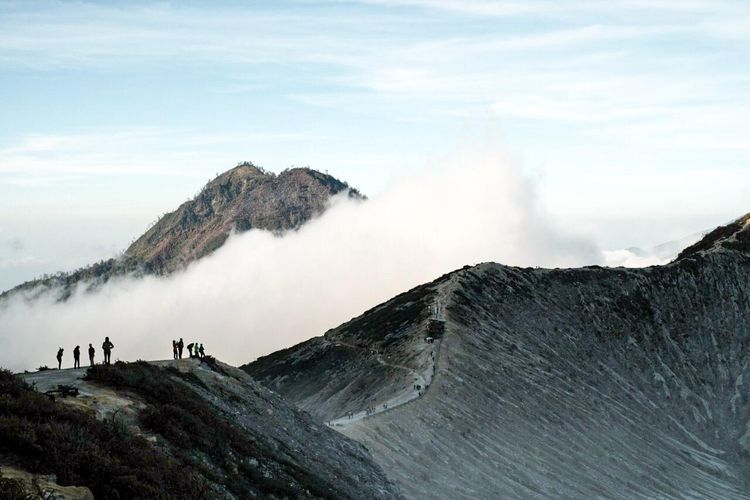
(59, 358)
(201, 351)
(174, 349)
(77, 357)
(180, 346)
(91, 354)
(107, 348)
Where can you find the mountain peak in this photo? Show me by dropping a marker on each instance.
(733, 236)
(244, 169)
(242, 198)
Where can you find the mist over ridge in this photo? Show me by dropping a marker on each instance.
(260, 292)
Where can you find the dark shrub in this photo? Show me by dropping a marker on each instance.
(13, 489)
(50, 438)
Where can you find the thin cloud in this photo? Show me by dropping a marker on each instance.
(147, 151)
(556, 9)
(390, 53)
(21, 262)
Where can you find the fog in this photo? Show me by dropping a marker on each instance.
(260, 293)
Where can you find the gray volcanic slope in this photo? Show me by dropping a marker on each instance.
(579, 383)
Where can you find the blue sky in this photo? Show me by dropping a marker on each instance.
(630, 117)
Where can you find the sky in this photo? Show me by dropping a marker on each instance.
(628, 118)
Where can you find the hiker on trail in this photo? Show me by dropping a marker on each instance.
(77, 357)
(59, 358)
(190, 349)
(91, 354)
(201, 351)
(174, 349)
(180, 345)
(107, 348)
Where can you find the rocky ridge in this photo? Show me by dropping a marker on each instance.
(571, 383)
(283, 452)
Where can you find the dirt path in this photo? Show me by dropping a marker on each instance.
(423, 379)
(47, 380)
(394, 402)
(102, 400)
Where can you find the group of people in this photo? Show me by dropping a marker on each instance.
(107, 347)
(371, 410)
(194, 349)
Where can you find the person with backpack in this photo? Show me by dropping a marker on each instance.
(77, 357)
(59, 358)
(107, 348)
(91, 354)
(190, 349)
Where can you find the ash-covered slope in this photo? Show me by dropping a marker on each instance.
(577, 383)
(243, 198)
(208, 428)
(366, 362)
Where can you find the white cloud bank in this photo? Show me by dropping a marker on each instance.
(655, 256)
(260, 293)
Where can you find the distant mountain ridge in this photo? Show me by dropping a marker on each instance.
(245, 197)
(242, 198)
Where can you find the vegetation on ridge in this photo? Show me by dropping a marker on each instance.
(206, 440)
(48, 437)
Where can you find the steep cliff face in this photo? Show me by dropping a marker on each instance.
(572, 383)
(240, 199)
(210, 430)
